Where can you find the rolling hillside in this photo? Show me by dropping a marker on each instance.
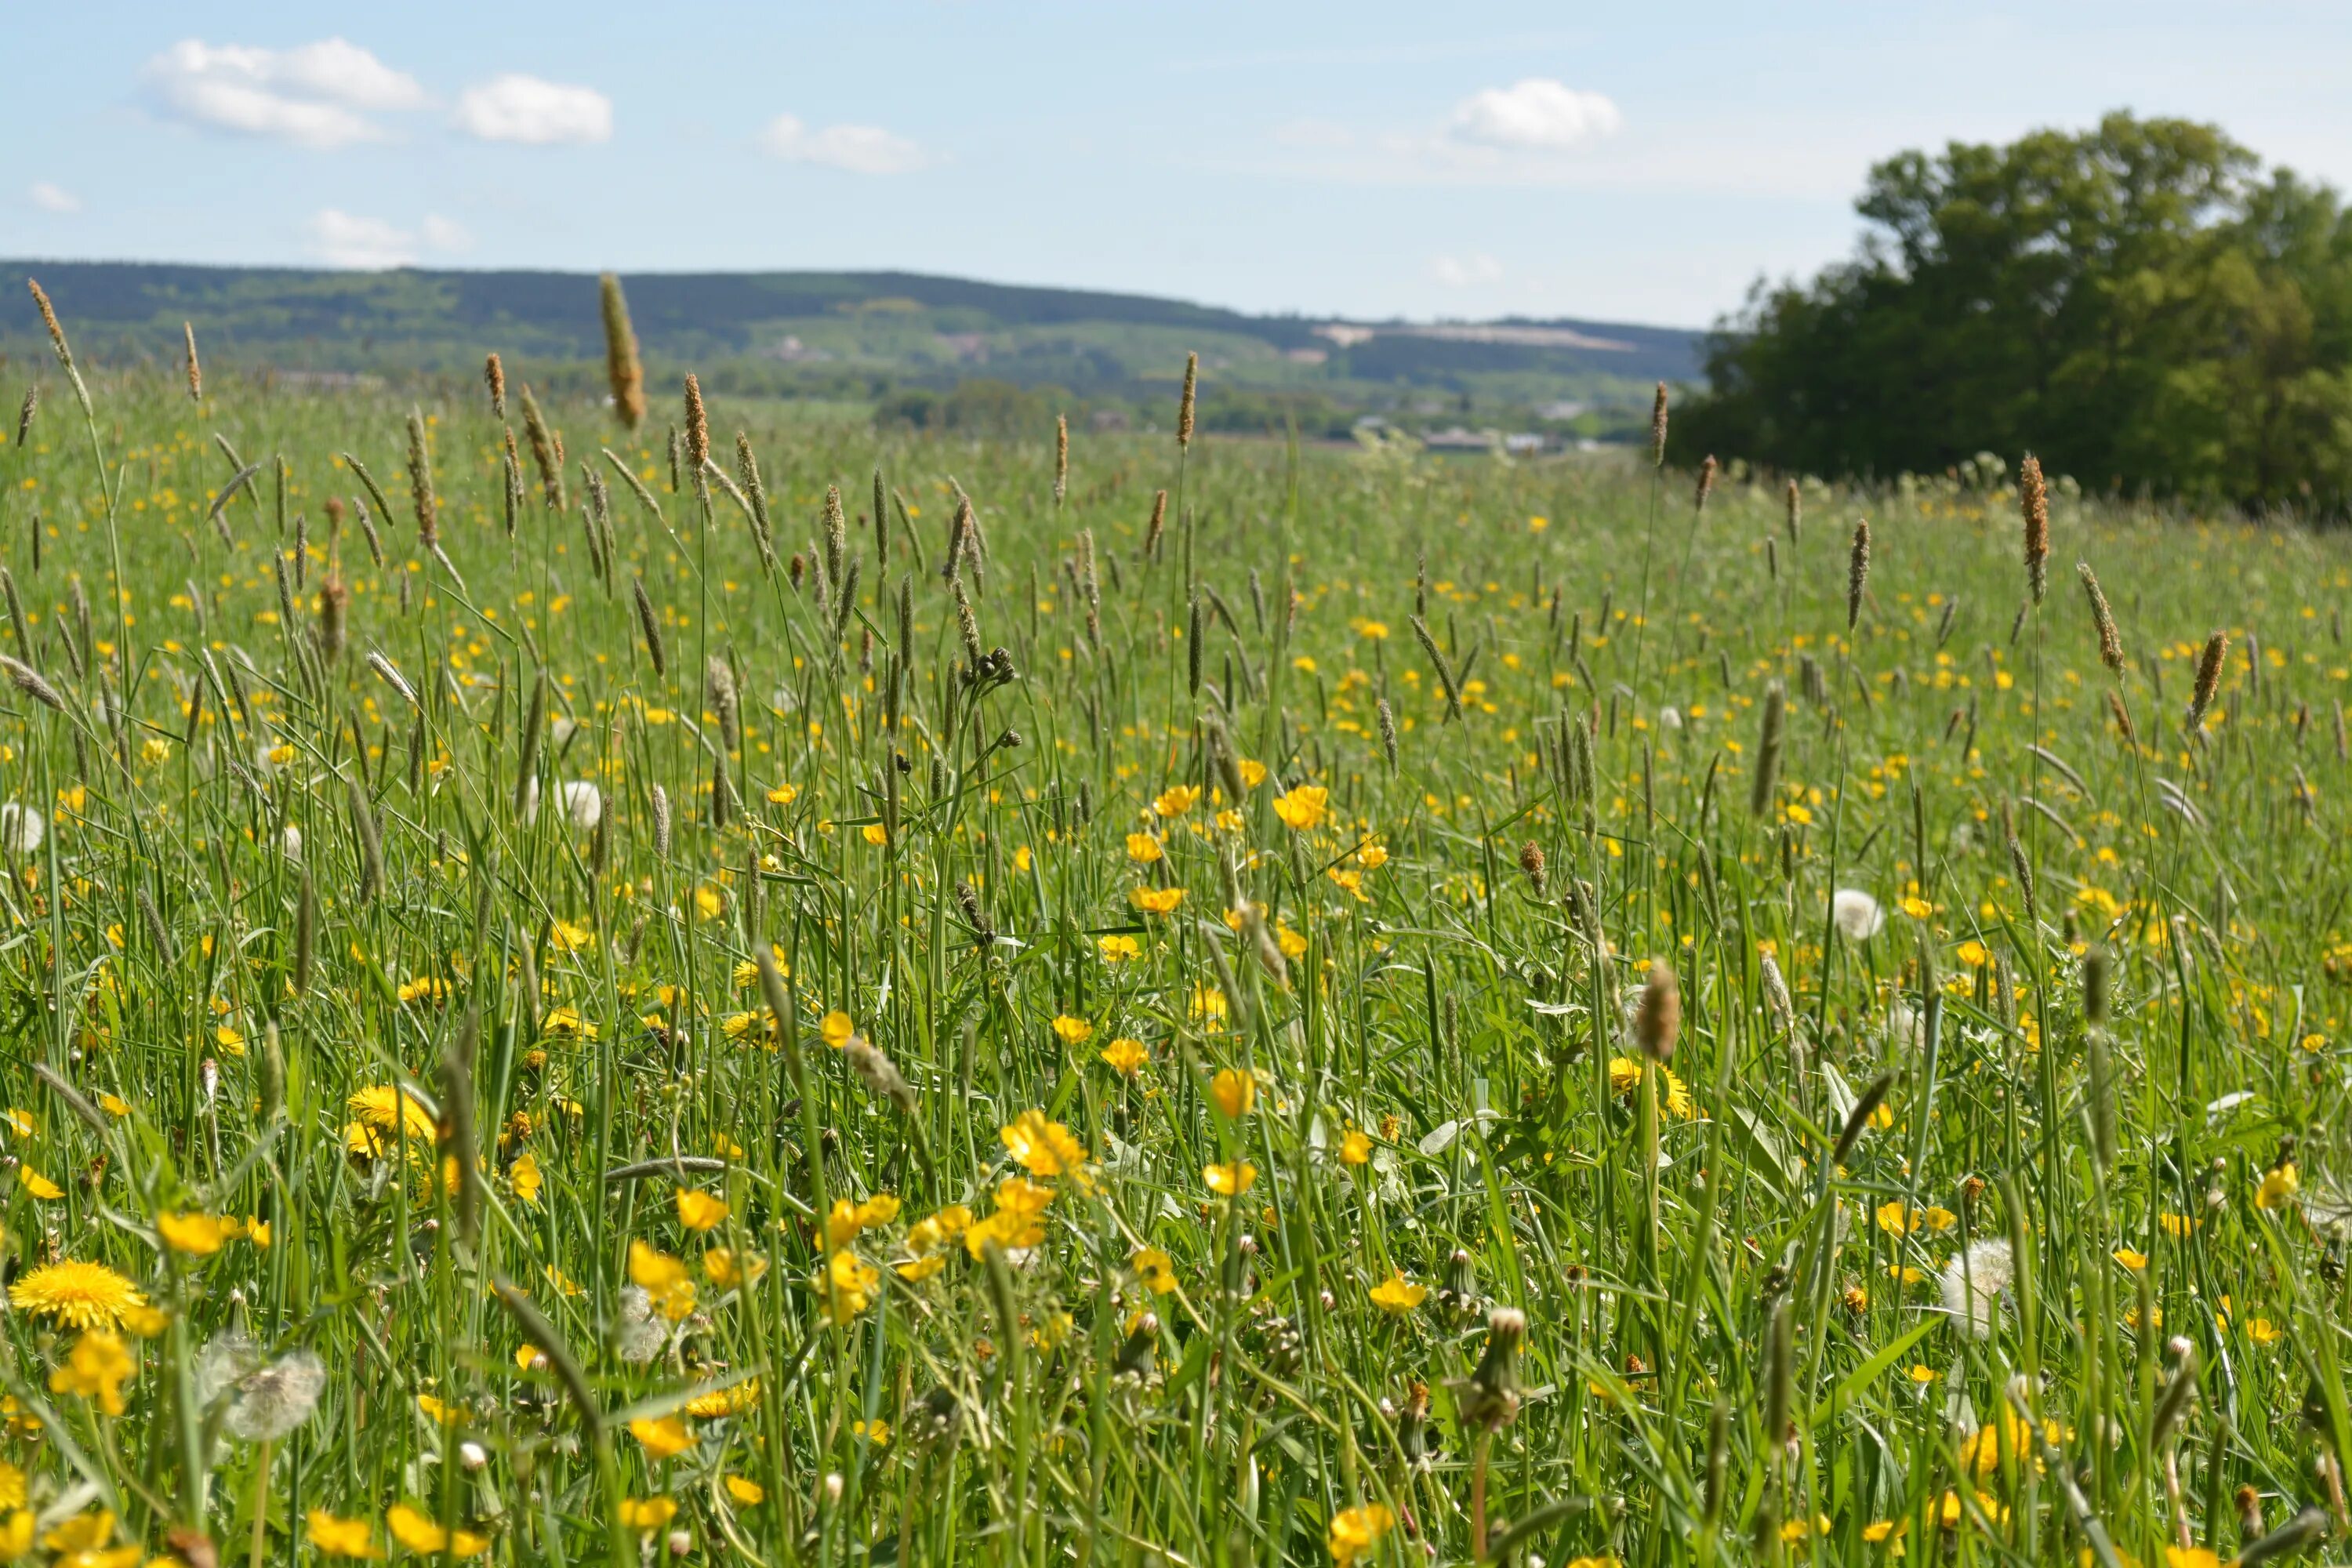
(870, 335)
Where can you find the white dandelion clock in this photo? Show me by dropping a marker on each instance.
(641, 1334)
(289, 843)
(1975, 1284)
(1857, 914)
(225, 1362)
(272, 1400)
(531, 799)
(584, 803)
(22, 828)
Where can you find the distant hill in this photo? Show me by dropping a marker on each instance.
(860, 334)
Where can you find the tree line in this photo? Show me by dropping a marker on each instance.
(2144, 305)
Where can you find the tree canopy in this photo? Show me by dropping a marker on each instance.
(2142, 306)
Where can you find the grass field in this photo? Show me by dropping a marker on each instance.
(595, 1036)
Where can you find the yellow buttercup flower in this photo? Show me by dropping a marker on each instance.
(663, 1279)
(1143, 849)
(353, 1538)
(848, 1285)
(701, 1210)
(1126, 1056)
(1397, 1294)
(1303, 807)
(197, 1235)
(663, 1438)
(97, 1369)
(1156, 1269)
(1356, 1533)
(1176, 800)
(645, 1515)
(1230, 1181)
(1072, 1031)
(1156, 900)
(1234, 1091)
(417, 1530)
(1043, 1148)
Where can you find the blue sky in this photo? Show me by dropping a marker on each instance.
(1376, 159)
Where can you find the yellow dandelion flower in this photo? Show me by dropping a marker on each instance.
(76, 1294)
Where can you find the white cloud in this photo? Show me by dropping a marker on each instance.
(368, 243)
(52, 198)
(1535, 115)
(534, 112)
(317, 95)
(371, 244)
(857, 148)
(1466, 271)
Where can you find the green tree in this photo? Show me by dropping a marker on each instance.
(2142, 305)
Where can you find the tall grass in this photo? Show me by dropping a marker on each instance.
(952, 1037)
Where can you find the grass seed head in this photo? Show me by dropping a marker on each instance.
(2111, 642)
(195, 369)
(420, 482)
(1658, 1015)
(1184, 404)
(2033, 501)
(623, 370)
(1857, 572)
(1658, 428)
(494, 376)
(697, 426)
(2209, 678)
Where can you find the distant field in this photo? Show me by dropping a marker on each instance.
(584, 1009)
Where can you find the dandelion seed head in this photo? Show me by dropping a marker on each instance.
(1857, 914)
(23, 829)
(1976, 1283)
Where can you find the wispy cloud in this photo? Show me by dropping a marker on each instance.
(345, 239)
(1470, 271)
(323, 95)
(52, 198)
(856, 149)
(1534, 132)
(534, 112)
